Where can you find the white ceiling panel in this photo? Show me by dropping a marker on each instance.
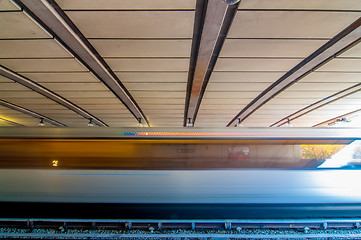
(62, 77)
(12, 86)
(302, 5)
(97, 106)
(156, 86)
(280, 99)
(284, 105)
(158, 94)
(134, 24)
(5, 80)
(86, 94)
(90, 101)
(269, 48)
(354, 96)
(18, 25)
(100, 112)
(152, 76)
(157, 100)
(31, 48)
(164, 106)
(354, 52)
(342, 65)
(242, 64)
(125, 4)
(164, 111)
(19, 94)
(245, 76)
(222, 106)
(276, 111)
(36, 107)
(213, 117)
(78, 86)
(150, 64)
(7, 5)
(5, 124)
(41, 101)
(142, 48)
(237, 87)
(305, 94)
(42, 65)
(232, 95)
(333, 77)
(290, 24)
(333, 86)
(218, 112)
(342, 106)
(222, 101)
(208, 124)
(165, 115)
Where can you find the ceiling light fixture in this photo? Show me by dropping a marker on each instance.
(41, 123)
(239, 124)
(139, 123)
(189, 123)
(289, 124)
(90, 123)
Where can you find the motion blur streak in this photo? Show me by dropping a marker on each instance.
(173, 187)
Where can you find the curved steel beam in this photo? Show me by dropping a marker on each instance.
(341, 42)
(52, 18)
(31, 113)
(217, 21)
(49, 94)
(318, 104)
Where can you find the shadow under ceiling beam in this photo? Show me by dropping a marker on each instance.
(338, 44)
(53, 19)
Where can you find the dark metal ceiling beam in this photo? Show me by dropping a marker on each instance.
(342, 41)
(30, 113)
(217, 20)
(49, 94)
(52, 18)
(318, 104)
(11, 122)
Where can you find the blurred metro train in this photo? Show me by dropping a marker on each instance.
(47, 175)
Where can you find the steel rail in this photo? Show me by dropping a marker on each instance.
(179, 235)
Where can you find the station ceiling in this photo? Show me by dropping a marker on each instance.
(168, 63)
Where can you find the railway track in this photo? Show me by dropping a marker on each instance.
(23, 228)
